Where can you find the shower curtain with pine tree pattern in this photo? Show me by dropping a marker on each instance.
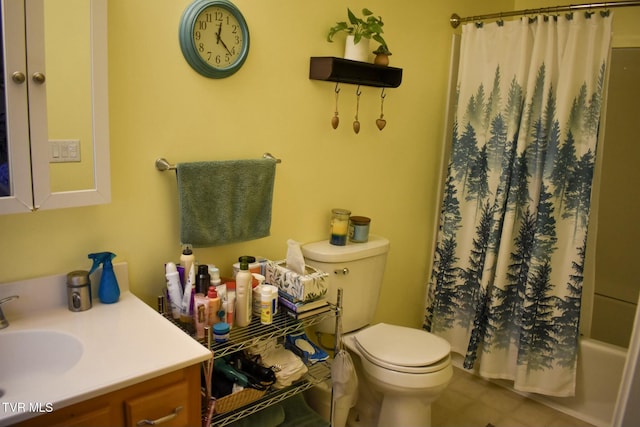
(506, 278)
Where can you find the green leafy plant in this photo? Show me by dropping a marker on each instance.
(369, 27)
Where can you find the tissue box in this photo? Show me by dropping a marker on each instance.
(307, 287)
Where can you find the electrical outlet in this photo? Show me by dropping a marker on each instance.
(64, 150)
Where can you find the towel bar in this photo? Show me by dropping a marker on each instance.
(163, 165)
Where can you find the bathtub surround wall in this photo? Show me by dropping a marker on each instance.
(616, 285)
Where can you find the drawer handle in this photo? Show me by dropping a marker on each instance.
(160, 420)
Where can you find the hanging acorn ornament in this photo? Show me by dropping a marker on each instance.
(335, 120)
(381, 122)
(356, 123)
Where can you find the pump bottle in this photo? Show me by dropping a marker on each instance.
(244, 306)
(108, 290)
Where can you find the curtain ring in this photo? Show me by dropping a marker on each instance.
(358, 91)
(337, 89)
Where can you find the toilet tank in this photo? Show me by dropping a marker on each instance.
(357, 268)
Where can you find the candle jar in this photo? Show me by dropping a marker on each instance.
(359, 229)
(339, 226)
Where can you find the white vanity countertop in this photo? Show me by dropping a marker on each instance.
(123, 344)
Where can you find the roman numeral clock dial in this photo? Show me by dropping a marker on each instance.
(214, 37)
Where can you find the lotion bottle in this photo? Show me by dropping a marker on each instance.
(214, 306)
(186, 313)
(214, 274)
(266, 313)
(257, 293)
(175, 289)
(244, 292)
(229, 308)
(200, 314)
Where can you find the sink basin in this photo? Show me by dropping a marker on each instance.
(37, 353)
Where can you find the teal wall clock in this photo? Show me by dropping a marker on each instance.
(214, 37)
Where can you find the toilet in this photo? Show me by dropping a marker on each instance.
(400, 370)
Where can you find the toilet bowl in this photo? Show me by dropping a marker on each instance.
(406, 368)
(400, 370)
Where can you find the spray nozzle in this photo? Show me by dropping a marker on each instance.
(101, 258)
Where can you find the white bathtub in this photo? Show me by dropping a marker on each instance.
(600, 367)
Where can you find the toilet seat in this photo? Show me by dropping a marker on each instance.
(403, 349)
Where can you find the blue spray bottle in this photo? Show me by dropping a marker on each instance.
(108, 291)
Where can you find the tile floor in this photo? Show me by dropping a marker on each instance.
(471, 401)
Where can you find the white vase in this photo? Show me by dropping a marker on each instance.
(358, 51)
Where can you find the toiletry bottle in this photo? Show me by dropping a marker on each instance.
(201, 314)
(257, 292)
(266, 314)
(175, 289)
(214, 274)
(221, 332)
(229, 308)
(244, 280)
(186, 313)
(203, 280)
(214, 306)
(187, 259)
(108, 291)
(274, 299)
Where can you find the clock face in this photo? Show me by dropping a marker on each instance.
(214, 37)
(218, 37)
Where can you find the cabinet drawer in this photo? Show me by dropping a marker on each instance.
(168, 406)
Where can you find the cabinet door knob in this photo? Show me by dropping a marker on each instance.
(18, 77)
(38, 77)
(161, 419)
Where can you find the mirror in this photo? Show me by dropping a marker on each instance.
(68, 60)
(5, 178)
(56, 121)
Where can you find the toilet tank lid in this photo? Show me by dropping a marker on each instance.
(323, 251)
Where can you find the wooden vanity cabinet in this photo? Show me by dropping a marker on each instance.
(174, 396)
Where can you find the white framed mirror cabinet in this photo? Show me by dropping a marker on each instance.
(54, 118)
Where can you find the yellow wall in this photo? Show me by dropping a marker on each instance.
(160, 107)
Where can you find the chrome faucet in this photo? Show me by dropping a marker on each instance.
(3, 320)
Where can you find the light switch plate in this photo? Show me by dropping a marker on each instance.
(64, 150)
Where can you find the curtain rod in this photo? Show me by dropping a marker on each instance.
(456, 20)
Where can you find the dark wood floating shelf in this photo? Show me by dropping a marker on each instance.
(341, 70)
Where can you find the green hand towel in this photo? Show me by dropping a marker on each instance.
(225, 202)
